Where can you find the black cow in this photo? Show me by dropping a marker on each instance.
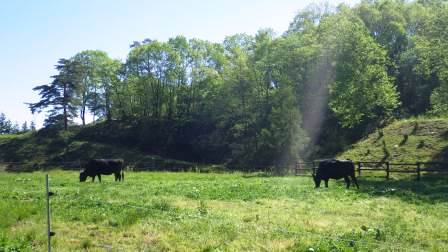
(97, 167)
(335, 169)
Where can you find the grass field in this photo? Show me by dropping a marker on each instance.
(222, 212)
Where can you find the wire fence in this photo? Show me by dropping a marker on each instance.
(307, 168)
(152, 165)
(361, 242)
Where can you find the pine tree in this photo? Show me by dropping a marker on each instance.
(25, 127)
(5, 124)
(33, 126)
(60, 95)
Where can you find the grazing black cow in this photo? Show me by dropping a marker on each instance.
(97, 167)
(335, 169)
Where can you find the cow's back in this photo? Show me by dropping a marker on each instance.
(104, 166)
(335, 169)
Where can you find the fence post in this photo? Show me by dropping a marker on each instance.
(359, 169)
(48, 194)
(297, 168)
(387, 170)
(314, 168)
(418, 171)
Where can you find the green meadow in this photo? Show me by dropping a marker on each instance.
(161, 211)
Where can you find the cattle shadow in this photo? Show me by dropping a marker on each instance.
(430, 189)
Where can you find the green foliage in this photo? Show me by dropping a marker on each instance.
(333, 77)
(60, 95)
(362, 90)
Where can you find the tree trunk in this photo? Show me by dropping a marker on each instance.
(108, 112)
(65, 106)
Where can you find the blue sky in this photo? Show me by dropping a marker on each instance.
(35, 34)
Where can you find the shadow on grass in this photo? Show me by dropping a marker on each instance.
(442, 156)
(445, 135)
(430, 189)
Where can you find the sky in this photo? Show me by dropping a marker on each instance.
(35, 34)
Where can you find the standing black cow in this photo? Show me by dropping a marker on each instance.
(335, 169)
(97, 167)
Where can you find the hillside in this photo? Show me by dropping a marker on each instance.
(413, 140)
(58, 148)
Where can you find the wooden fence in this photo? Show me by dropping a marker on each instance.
(418, 168)
(363, 168)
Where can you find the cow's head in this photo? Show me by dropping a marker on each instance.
(82, 176)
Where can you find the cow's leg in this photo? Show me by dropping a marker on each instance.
(316, 182)
(122, 176)
(99, 177)
(347, 181)
(93, 178)
(326, 183)
(355, 180)
(117, 177)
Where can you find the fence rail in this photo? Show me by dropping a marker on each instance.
(299, 168)
(303, 168)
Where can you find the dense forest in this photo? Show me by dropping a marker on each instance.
(335, 75)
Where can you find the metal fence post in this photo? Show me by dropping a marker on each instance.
(48, 194)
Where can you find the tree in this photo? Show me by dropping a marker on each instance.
(5, 124)
(59, 95)
(98, 73)
(309, 18)
(431, 53)
(15, 129)
(25, 127)
(362, 91)
(33, 126)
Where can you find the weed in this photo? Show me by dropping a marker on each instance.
(202, 208)
(86, 243)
